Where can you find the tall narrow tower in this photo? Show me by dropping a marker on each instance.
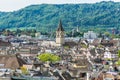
(60, 35)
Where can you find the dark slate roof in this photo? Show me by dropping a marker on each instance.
(70, 44)
(92, 51)
(100, 51)
(108, 42)
(60, 28)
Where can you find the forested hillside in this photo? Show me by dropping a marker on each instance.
(47, 16)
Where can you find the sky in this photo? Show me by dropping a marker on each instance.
(13, 5)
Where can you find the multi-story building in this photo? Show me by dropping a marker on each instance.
(90, 35)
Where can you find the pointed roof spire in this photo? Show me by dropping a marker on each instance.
(60, 28)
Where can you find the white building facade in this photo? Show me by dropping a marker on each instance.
(90, 35)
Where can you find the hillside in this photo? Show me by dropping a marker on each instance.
(47, 16)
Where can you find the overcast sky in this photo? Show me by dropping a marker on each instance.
(11, 5)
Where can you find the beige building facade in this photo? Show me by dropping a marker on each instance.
(60, 35)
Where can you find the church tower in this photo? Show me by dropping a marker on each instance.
(60, 35)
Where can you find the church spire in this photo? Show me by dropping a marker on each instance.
(60, 35)
(60, 28)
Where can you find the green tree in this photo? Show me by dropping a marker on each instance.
(107, 34)
(46, 16)
(84, 46)
(24, 70)
(119, 53)
(32, 34)
(118, 62)
(48, 57)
